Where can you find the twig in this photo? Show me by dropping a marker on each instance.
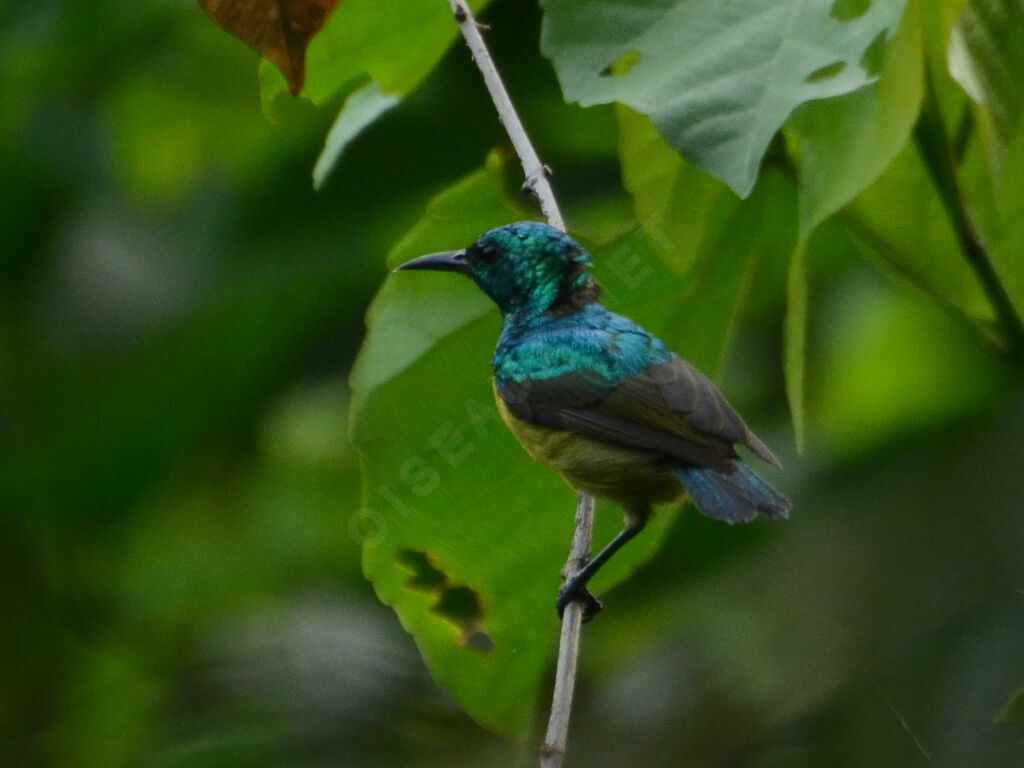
(536, 172)
(933, 141)
(552, 752)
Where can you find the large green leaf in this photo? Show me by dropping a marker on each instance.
(718, 79)
(678, 205)
(843, 144)
(702, 233)
(463, 534)
(761, 227)
(901, 214)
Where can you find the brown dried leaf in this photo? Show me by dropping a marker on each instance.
(278, 30)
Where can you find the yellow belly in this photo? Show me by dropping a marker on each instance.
(632, 478)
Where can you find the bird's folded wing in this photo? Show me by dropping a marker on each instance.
(670, 408)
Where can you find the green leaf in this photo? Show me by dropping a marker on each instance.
(994, 198)
(360, 109)
(395, 42)
(454, 510)
(1013, 712)
(756, 229)
(448, 487)
(1008, 241)
(718, 79)
(462, 533)
(702, 233)
(986, 56)
(414, 314)
(678, 205)
(843, 144)
(455, 513)
(902, 211)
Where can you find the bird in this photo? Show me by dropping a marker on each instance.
(601, 400)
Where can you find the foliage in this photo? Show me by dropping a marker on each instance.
(718, 79)
(280, 32)
(986, 48)
(839, 148)
(182, 512)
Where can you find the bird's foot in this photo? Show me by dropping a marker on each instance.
(571, 591)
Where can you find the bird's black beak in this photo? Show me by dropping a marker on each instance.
(445, 261)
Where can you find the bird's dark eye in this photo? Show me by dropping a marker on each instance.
(486, 255)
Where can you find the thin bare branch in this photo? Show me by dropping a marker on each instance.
(552, 752)
(536, 172)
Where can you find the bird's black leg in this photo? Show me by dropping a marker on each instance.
(576, 587)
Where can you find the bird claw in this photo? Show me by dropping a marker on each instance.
(570, 592)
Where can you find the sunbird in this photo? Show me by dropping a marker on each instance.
(601, 400)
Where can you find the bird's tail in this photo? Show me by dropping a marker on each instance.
(735, 497)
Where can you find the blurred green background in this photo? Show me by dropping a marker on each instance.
(178, 315)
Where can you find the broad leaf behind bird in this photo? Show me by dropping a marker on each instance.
(598, 398)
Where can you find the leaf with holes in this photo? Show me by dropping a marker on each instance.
(278, 31)
(464, 535)
(843, 144)
(718, 79)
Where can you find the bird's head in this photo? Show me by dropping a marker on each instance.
(526, 268)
